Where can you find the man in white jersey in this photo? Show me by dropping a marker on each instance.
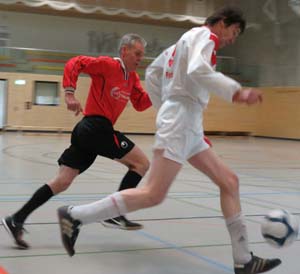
(179, 82)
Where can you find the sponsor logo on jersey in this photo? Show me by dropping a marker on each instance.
(119, 94)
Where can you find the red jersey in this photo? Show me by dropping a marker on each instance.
(111, 87)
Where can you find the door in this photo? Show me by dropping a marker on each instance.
(3, 103)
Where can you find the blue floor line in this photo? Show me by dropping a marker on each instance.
(78, 197)
(211, 262)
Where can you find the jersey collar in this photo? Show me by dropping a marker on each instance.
(126, 74)
(215, 38)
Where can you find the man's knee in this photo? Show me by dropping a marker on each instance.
(231, 183)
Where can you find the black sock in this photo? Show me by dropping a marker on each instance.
(130, 180)
(41, 196)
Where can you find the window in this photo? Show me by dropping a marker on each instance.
(4, 36)
(46, 93)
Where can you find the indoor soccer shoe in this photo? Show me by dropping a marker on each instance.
(121, 223)
(15, 230)
(256, 265)
(69, 229)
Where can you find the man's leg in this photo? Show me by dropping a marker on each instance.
(14, 223)
(138, 165)
(162, 173)
(211, 165)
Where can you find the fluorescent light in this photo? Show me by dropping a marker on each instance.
(20, 82)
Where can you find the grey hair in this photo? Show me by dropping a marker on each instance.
(129, 39)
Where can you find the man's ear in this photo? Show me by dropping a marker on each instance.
(223, 23)
(122, 50)
(220, 24)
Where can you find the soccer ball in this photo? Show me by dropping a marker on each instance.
(280, 228)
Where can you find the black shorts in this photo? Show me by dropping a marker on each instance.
(92, 136)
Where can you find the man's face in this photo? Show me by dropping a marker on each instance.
(228, 34)
(133, 55)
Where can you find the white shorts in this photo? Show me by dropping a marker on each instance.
(179, 129)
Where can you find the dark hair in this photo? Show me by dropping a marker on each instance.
(230, 16)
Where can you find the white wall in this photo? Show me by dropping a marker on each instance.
(264, 56)
(72, 34)
(269, 51)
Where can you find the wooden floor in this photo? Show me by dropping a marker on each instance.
(184, 235)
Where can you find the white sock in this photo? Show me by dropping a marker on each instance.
(239, 239)
(109, 207)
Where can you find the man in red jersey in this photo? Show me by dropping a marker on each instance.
(114, 83)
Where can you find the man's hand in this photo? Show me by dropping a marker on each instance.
(249, 96)
(72, 103)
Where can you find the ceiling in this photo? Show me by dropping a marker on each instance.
(182, 13)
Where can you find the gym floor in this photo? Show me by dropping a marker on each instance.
(184, 235)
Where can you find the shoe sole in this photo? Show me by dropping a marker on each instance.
(121, 227)
(11, 235)
(61, 216)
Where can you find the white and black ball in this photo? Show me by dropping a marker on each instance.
(280, 228)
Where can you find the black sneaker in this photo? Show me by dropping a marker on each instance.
(15, 230)
(256, 265)
(121, 223)
(69, 229)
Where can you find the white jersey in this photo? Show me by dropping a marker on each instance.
(188, 69)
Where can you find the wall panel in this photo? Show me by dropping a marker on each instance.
(277, 116)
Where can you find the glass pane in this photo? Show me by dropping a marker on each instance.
(46, 93)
